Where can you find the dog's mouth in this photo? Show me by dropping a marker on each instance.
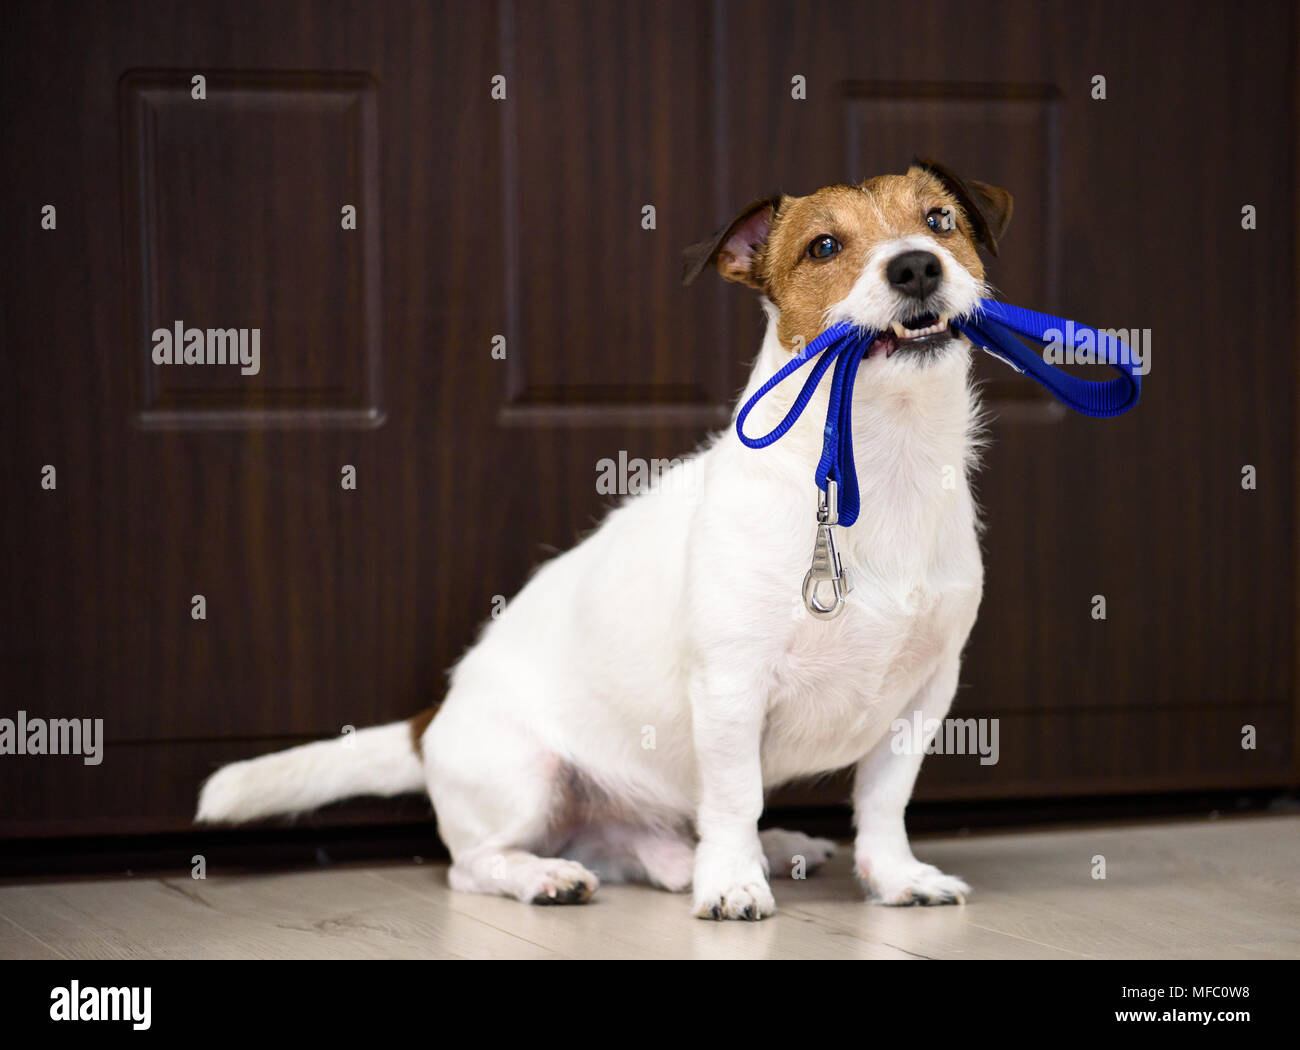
(923, 332)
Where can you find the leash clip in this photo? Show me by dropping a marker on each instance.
(826, 567)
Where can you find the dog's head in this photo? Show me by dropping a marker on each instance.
(896, 254)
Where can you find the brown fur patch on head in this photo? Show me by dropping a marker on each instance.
(987, 208)
(859, 217)
(766, 245)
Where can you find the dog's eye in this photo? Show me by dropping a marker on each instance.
(942, 220)
(823, 247)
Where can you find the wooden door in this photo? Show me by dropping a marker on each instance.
(524, 218)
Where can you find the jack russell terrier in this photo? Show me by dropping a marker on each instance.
(632, 730)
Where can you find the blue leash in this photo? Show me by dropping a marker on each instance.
(993, 328)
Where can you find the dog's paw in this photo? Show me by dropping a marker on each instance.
(556, 881)
(732, 890)
(788, 852)
(750, 900)
(903, 883)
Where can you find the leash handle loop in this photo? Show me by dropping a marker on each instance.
(995, 327)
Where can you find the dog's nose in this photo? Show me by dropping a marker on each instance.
(915, 273)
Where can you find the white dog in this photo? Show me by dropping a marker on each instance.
(627, 711)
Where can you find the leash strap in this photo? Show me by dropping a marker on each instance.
(844, 346)
(995, 328)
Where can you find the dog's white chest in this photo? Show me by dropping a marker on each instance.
(842, 682)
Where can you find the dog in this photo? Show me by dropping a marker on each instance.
(626, 712)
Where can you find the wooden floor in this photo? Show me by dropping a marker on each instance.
(1225, 888)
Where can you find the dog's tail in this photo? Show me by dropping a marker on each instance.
(381, 760)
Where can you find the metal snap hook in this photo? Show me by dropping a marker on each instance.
(824, 612)
(826, 567)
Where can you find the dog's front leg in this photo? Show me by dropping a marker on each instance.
(882, 786)
(730, 870)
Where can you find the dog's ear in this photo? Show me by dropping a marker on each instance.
(987, 207)
(736, 249)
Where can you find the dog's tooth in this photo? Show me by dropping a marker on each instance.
(898, 329)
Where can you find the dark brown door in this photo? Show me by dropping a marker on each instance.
(522, 217)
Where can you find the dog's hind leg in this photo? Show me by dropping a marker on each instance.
(525, 876)
(502, 808)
